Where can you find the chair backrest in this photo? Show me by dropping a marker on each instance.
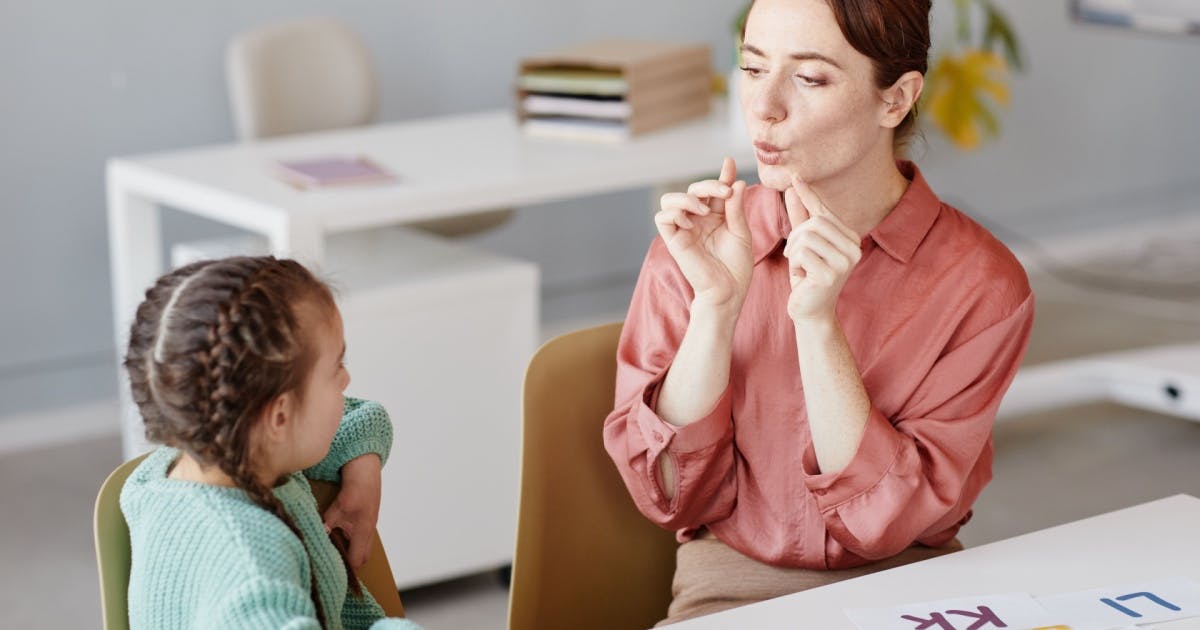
(113, 553)
(298, 76)
(585, 557)
(112, 548)
(316, 74)
(376, 573)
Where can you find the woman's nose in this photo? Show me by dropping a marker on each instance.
(766, 102)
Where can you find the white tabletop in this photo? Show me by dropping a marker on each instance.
(447, 165)
(1145, 543)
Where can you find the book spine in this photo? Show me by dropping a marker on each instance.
(669, 94)
(668, 66)
(665, 117)
(684, 63)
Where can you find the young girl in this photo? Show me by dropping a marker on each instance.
(236, 366)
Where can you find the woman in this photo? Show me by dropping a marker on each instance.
(810, 368)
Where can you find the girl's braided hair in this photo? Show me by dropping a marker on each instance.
(212, 344)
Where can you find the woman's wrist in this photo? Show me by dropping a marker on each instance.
(815, 328)
(720, 315)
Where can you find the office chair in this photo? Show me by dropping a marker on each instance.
(113, 554)
(315, 74)
(585, 557)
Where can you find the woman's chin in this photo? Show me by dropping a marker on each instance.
(775, 177)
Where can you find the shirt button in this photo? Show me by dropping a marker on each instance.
(657, 436)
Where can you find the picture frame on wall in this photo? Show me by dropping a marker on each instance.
(1167, 16)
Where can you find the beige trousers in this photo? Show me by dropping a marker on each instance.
(711, 577)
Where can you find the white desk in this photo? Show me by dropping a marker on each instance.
(448, 166)
(1145, 543)
(1163, 379)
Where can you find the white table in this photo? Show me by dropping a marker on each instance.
(1163, 379)
(1145, 543)
(448, 166)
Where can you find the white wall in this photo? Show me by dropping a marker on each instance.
(1103, 127)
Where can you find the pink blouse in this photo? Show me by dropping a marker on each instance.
(937, 315)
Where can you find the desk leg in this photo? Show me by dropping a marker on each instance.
(135, 258)
(299, 239)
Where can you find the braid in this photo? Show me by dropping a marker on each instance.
(230, 336)
(143, 336)
(212, 345)
(243, 475)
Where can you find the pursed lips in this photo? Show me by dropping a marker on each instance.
(768, 153)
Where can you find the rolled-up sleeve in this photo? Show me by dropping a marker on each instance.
(915, 476)
(635, 436)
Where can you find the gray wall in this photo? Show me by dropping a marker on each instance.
(83, 81)
(1103, 126)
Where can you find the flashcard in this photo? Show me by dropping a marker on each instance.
(1010, 610)
(1124, 606)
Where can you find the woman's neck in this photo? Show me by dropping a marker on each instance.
(865, 194)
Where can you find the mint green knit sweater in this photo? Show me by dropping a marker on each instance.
(207, 556)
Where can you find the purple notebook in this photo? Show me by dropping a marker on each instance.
(331, 171)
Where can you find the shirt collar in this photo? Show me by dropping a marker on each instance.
(905, 227)
(899, 234)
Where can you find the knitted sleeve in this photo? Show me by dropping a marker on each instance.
(365, 613)
(275, 603)
(266, 603)
(365, 428)
(394, 623)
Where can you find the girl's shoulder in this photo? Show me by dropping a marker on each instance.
(203, 523)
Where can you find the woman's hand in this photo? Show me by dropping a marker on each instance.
(821, 253)
(356, 508)
(706, 233)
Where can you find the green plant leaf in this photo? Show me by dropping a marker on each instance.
(962, 15)
(739, 21)
(997, 29)
(739, 25)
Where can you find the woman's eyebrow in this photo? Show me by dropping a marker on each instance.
(798, 56)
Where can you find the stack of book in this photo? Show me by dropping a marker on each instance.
(612, 90)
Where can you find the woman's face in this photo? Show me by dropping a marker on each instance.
(808, 97)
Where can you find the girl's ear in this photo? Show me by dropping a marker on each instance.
(277, 418)
(899, 99)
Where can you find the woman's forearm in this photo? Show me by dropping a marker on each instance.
(698, 376)
(834, 395)
(700, 369)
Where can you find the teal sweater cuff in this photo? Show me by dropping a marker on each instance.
(365, 428)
